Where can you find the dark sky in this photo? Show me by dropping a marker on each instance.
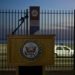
(44, 4)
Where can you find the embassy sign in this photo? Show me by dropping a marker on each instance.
(34, 19)
(30, 50)
(34, 13)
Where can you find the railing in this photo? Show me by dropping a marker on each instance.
(58, 22)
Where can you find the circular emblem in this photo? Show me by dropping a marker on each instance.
(34, 13)
(30, 50)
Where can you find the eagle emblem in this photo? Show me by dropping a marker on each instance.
(30, 50)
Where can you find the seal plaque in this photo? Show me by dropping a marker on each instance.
(30, 50)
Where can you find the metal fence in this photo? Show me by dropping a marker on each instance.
(58, 22)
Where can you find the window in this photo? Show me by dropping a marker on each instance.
(59, 48)
(65, 48)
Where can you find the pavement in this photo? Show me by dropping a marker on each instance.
(46, 73)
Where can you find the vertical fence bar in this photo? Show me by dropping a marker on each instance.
(42, 23)
(27, 27)
(6, 38)
(22, 23)
(18, 22)
(50, 27)
(15, 20)
(60, 26)
(12, 21)
(45, 23)
(28, 21)
(52, 21)
(5, 49)
(9, 21)
(4, 60)
(74, 40)
(57, 27)
(64, 23)
(69, 33)
(67, 25)
(2, 39)
(48, 23)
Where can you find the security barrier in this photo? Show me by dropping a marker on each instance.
(58, 22)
